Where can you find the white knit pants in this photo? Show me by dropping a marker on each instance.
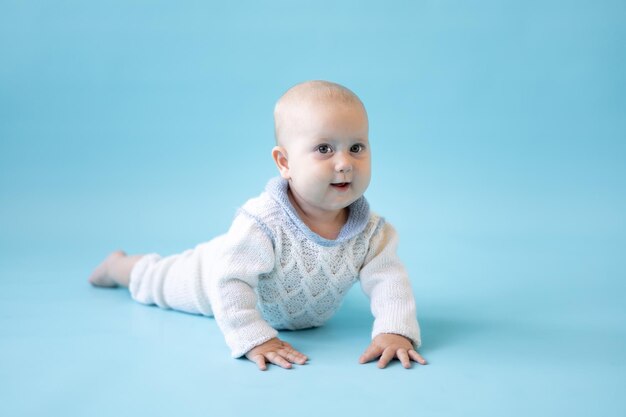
(173, 282)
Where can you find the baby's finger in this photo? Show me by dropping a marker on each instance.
(386, 357)
(404, 358)
(371, 353)
(286, 344)
(293, 355)
(260, 361)
(417, 357)
(276, 359)
(288, 347)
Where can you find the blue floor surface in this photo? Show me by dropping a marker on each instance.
(501, 349)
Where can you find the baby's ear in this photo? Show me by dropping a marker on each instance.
(279, 154)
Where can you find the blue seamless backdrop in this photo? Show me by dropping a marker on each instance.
(499, 154)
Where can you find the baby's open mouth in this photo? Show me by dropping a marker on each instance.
(341, 185)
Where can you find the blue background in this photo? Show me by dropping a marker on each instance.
(498, 131)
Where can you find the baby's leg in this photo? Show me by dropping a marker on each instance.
(114, 270)
(174, 281)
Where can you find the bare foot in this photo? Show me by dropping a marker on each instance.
(101, 276)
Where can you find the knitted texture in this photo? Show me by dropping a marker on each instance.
(308, 280)
(270, 271)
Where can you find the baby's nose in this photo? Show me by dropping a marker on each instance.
(342, 163)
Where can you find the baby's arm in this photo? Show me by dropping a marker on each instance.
(246, 253)
(385, 281)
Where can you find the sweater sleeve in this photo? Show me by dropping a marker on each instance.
(385, 281)
(245, 253)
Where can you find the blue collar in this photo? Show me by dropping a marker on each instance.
(358, 214)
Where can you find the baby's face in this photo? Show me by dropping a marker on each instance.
(328, 154)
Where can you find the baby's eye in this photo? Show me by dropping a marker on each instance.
(323, 149)
(357, 148)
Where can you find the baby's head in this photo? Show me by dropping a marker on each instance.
(322, 145)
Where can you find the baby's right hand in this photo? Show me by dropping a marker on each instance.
(277, 352)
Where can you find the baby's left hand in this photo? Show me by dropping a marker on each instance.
(389, 346)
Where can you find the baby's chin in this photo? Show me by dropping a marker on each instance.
(330, 199)
(342, 204)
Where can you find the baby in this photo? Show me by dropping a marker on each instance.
(292, 253)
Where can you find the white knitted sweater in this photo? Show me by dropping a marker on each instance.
(270, 271)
